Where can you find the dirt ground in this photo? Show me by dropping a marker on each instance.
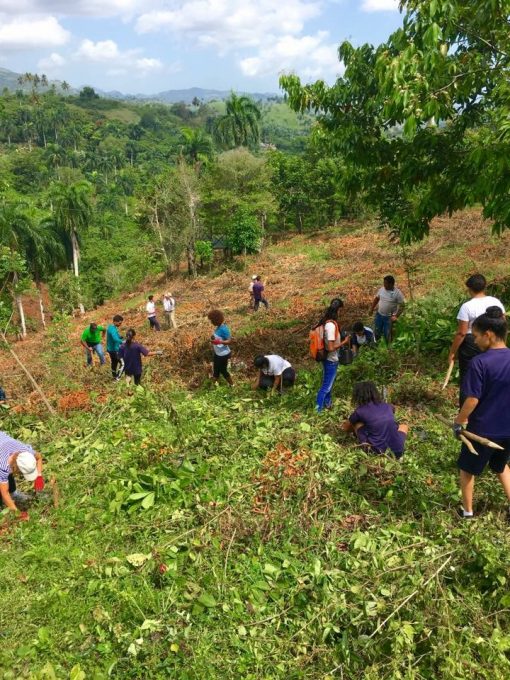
(301, 275)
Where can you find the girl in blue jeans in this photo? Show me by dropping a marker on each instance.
(332, 343)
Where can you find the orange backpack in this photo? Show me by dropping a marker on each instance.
(317, 349)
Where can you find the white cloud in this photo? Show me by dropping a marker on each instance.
(22, 33)
(103, 50)
(51, 63)
(380, 5)
(231, 24)
(95, 8)
(120, 62)
(310, 56)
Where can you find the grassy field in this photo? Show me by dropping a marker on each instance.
(202, 532)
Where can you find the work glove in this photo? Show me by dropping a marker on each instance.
(39, 483)
(458, 429)
(23, 516)
(216, 342)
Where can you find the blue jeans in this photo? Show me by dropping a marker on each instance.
(328, 380)
(98, 349)
(382, 327)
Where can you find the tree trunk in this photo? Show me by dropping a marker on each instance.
(76, 260)
(21, 312)
(76, 253)
(41, 306)
(192, 264)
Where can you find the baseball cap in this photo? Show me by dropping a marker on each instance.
(27, 465)
(254, 277)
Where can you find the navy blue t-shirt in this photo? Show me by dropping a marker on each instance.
(380, 429)
(488, 380)
(132, 355)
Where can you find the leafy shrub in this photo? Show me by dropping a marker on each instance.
(244, 233)
(428, 325)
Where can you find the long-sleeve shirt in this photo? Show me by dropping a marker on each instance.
(113, 338)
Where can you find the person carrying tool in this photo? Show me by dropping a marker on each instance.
(17, 458)
(486, 408)
(463, 343)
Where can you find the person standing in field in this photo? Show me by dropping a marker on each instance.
(330, 333)
(131, 353)
(486, 407)
(464, 344)
(151, 314)
(389, 303)
(258, 294)
(169, 309)
(113, 343)
(17, 458)
(220, 340)
(91, 342)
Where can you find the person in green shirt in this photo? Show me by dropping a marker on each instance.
(91, 341)
(113, 343)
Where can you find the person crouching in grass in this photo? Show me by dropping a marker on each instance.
(373, 422)
(486, 407)
(275, 373)
(220, 340)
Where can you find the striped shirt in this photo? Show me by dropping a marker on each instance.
(8, 446)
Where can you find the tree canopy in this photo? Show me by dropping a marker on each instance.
(422, 121)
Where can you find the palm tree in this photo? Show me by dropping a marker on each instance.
(72, 215)
(197, 147)
(239, 126)
(39, 246)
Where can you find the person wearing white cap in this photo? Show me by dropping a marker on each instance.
(250, 288)
(17, 457)
(169, 307)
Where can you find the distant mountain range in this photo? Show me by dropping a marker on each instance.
(9, 80)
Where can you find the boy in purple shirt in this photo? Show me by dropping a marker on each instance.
(258, 289)
(373, 422)
(486, 408)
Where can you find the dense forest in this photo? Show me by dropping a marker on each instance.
(96, 193)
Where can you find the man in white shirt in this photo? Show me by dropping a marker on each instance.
(275, 372)
(151, 314)
(389, 303)
(169, 307)
(463, 342)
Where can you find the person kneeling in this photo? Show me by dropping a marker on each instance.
(275, 372)
(373, 422)
(17, 458)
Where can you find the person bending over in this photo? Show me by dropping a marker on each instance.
(17, 458)
(362, 336)
(486, 408)
(463, 343)
(275, 373)
(220, 341)
(91, 342)
(373, 422)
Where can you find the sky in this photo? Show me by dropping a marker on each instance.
(147, 46)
